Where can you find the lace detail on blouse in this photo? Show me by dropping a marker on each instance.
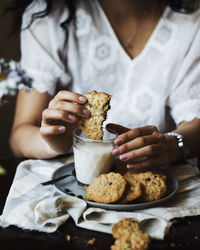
(159, 87)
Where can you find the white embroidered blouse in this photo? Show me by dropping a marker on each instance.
(159, 87)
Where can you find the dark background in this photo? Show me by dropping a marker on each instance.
(10, 50)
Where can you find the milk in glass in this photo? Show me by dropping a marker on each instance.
(92, 159)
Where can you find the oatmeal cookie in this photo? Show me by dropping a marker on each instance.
(133, 190)
(129, 236)
(132, 241)
(154, 185)
(98, 104)
(129, 224)
(106, 188)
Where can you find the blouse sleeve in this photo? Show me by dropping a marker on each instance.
(184, 100)
(42, 46)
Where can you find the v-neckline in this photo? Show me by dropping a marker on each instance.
(118, 43)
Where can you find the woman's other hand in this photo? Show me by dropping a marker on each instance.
(140, 147)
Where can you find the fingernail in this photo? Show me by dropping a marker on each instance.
(71, 117)
(129, 166)
(61, 128)
(85, 112)
(123, 157)
(82, 99)
(118, 141)
(116, 151)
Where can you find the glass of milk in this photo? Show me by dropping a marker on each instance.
(92, 157)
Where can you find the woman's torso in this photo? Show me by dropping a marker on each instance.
(94, 59)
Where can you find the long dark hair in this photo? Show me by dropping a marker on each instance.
(20, 6)
(182, 6)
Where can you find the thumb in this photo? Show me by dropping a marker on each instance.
(116, 128)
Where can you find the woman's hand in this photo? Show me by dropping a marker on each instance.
(60, 118)
(140, 147)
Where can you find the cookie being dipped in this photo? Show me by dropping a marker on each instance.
(98, 104)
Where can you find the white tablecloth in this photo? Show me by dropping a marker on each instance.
(32, 206)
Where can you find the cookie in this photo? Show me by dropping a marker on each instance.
(129, 236)
(133, 190)
(134, 241)
(98, 104)
(106, 188)
(129, 224)
(154, 185)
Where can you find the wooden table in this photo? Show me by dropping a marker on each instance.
(184, 234)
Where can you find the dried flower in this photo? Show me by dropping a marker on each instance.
(12, 78)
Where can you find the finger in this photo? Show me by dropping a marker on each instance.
(76, 109)
(64, 95)
(134, 133)
(50, 115)
(52, 130)
(137, 143)
(151, 162)
(116, 128)
(148, 151)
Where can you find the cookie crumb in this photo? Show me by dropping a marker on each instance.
(172, 245)
(91, 241)
(68, 237)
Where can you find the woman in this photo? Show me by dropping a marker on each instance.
(145, 53)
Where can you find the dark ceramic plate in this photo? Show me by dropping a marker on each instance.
(70, 186)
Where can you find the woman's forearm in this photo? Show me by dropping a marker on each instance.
(36, 146)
